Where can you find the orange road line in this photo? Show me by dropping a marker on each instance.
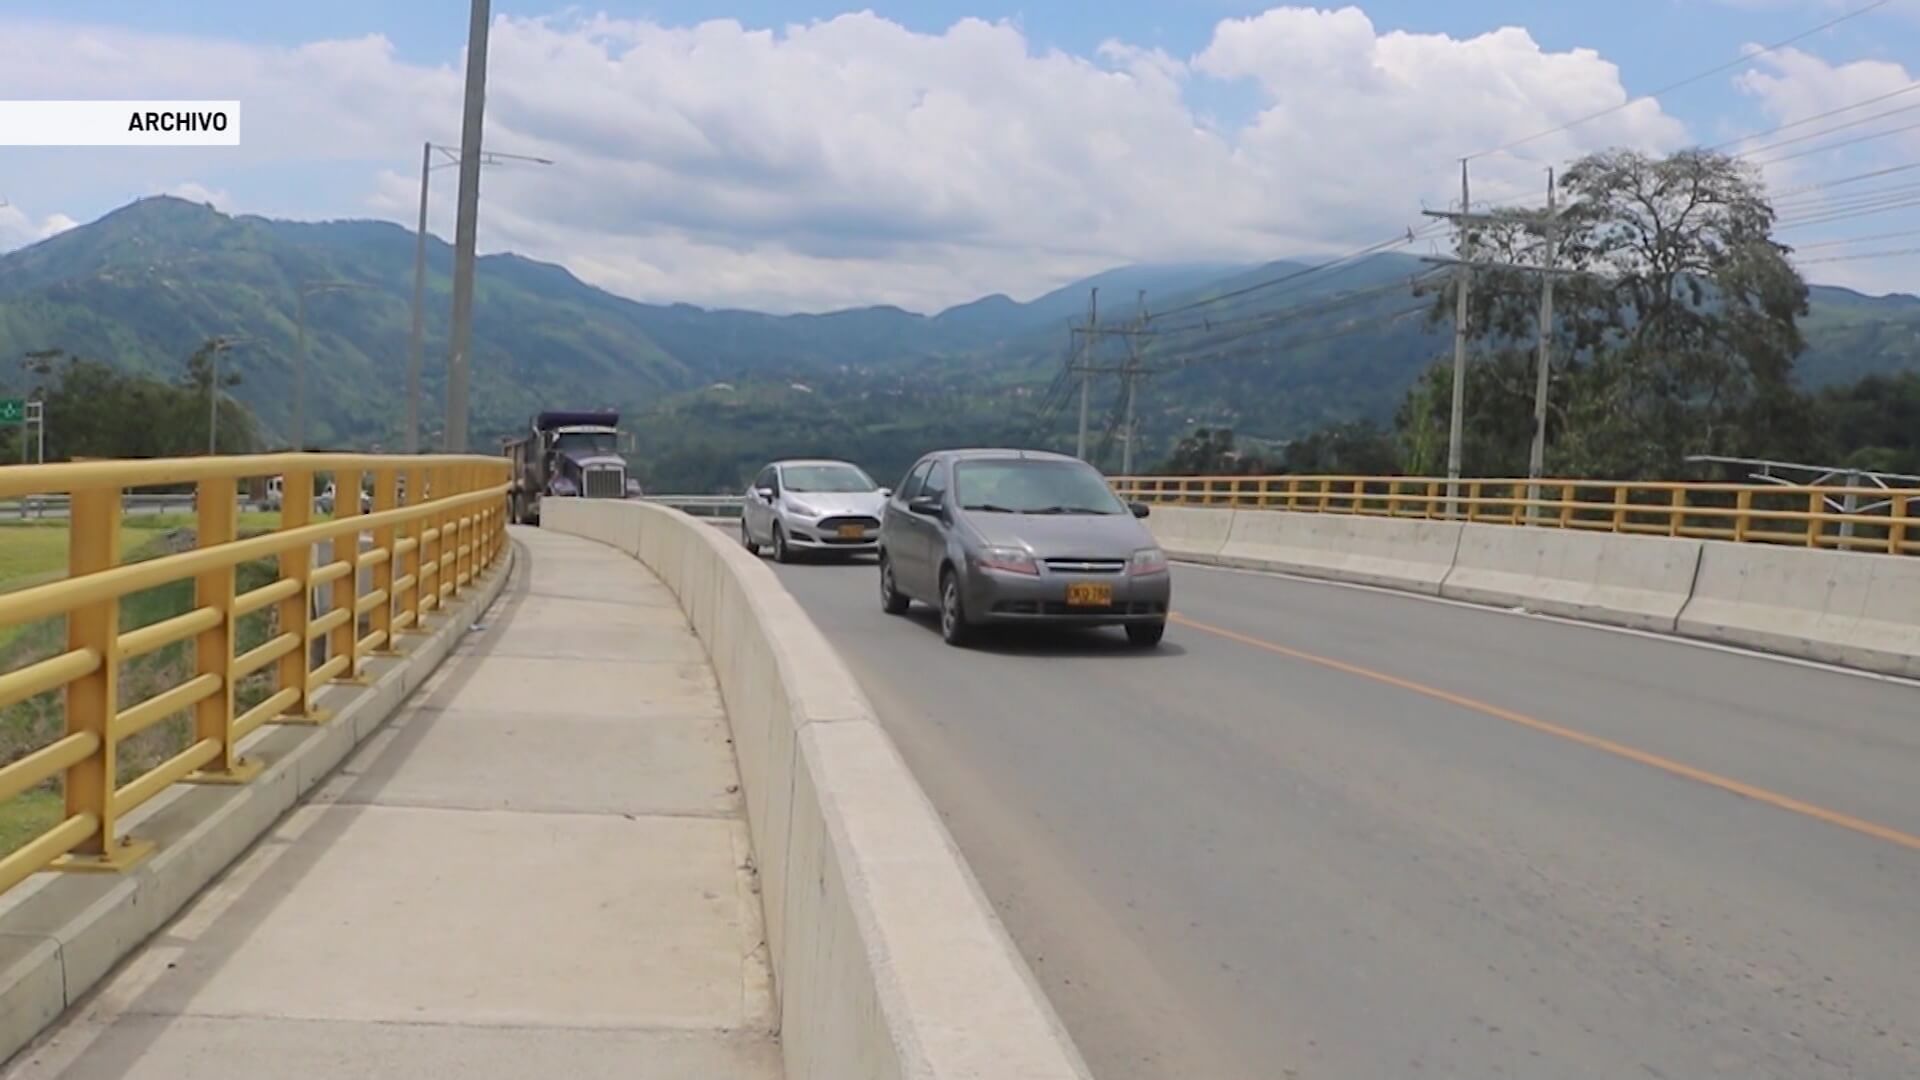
(1608, 746)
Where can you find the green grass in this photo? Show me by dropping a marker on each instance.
(24, 817)
(32, 724)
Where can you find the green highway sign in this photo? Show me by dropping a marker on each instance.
(13, 410)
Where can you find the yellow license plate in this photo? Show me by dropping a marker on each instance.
(852, 532)
(1086, 594)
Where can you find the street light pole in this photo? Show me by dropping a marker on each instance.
(410, 439)
(300, 377)
(466, 229)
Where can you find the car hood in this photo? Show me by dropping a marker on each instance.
(1064, 536)
(837, 503)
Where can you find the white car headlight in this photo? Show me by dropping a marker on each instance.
(801, 509)
(1010, 560)
(1147, 561)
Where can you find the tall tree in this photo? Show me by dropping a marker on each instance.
(1677, 332)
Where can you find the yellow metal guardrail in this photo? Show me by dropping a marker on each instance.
(1856, 518)
(420, 550)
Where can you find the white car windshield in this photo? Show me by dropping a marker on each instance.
(826, 479)
(1024, 486)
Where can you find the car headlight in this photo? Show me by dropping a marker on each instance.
(801, 509)
(564, 486)
(1011, 560)
(1147, 561)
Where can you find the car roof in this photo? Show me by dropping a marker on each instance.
(811, 461)
(983, 452)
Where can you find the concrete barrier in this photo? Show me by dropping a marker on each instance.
(1847, 608)
(1414, 555)
(60, 934)
(888, 961)
(1190, 532)
(1636, 581)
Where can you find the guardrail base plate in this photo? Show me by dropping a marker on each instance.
(310, 718)
(243, 770)
(120, 857)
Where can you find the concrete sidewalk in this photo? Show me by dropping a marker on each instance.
(540, 867)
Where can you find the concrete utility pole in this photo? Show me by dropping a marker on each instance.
(1537, 456)
(1086, 371)
(1131, 379)
(416, 343)
(1551, 225)
(1457, 422)
(466, 230)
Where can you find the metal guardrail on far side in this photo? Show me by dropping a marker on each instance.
(1845, 518)
(724, 506)
(414, 558)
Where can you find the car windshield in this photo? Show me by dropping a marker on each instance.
(1024, 486)
(826, 479)
(585, 442)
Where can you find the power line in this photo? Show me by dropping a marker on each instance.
(1741, 61)
(1371, 249)
(1292, 314)
(1836, 146)
(1862, 255)
(1909, 88)
(1823, 132)
(1858, 240)
(1854, 179)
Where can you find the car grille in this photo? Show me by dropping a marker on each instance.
(1055, 607)
(1086, 566)
(605, 483)
(833, 524)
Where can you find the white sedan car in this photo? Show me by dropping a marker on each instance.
(812, 506)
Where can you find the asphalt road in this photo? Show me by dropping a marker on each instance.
(1340, 833)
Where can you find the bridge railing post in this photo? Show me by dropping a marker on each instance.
(295, 614)
(218, 501)
(380, 616)
(93, 545)
(345, 639)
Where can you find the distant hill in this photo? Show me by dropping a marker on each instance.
(144, 285)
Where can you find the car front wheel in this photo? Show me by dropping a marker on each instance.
(746, 538)
(953, 613)
(892, 600)
(781, 552)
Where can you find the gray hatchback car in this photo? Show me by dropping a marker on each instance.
(1020, 536)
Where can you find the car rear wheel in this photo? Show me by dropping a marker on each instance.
(953, 612)
(1146, 635)
(892, 600)
(781, 552)
(746, 538)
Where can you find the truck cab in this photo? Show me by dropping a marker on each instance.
(570, 455)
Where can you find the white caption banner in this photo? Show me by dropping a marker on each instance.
(119, 123)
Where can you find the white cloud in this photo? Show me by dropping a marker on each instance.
(18, 229)
(1794, 87)
(194, 191)
(853, 160)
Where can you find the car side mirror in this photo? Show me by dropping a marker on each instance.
(926, 506)
(765, 493)
(1139, 509)
(886, 493)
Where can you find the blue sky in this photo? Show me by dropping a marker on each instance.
(814, 170)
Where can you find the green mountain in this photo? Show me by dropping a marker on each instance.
(709, 394)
